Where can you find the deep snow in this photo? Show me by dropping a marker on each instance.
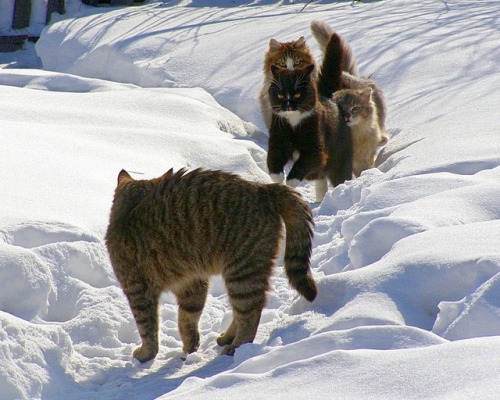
(407, 256)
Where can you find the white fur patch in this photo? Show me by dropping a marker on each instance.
(295, 117)
(289, 63)
(293, 183)
(277, 178)
(321, 186)
(295, 155)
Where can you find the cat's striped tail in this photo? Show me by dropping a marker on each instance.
(331, 68)
(298, 223)
(322, 33)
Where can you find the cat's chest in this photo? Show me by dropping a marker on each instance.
(295, 118)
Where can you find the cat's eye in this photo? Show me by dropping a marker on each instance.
(296, 63)
(356, 110)
(296, 96)
(282, 64)
(280, 96)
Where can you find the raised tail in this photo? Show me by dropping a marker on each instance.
(322, 33)
(298, 223)
(331, 69)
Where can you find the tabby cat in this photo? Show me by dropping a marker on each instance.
(306, 126)
(358, 110)
(173, 232)
(290, 55)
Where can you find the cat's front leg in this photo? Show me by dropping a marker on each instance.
(307, 164)
(276, 161)
(277, 154)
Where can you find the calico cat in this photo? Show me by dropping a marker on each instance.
(289, 55)
(173, 232)
(306, 126)
(350, 78)
(358, 110)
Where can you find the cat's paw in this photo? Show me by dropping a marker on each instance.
(277, 178)
(293, 183)
(228, 351)
(144, 354)
(295, 155)
(224, 339)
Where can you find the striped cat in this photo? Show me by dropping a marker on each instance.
(173, 232)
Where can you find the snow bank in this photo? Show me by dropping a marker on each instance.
(97, 128)
(362, 374)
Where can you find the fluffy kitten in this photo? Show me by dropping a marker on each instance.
(350, 78)
(306, 127)
(358, 110)
(289, 55)
(173, 232)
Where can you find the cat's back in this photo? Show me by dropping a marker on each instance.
(190, 223)
(196, 207)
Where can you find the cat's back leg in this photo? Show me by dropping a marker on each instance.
(191, 298)
(247, 281)
(143, 299)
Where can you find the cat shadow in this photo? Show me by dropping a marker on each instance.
(133, 381)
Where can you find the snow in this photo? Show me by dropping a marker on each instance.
(406, 257)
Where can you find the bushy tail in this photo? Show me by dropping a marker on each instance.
(322, 33)
(298, 222)
(331, 70)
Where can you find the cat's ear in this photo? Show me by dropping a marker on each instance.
(301, 43)
(274, 45)
(366, 94)
(124, 177)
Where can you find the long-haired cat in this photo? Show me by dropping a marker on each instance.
(173, 232)
(306, 126)
(322, 33)
(350, 78)
(289, 55)
(359, 112)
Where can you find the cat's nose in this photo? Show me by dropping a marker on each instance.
(347, 117)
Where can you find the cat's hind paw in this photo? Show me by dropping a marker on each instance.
(228, 351)
(144, 354)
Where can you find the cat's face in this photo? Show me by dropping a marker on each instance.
(289, 55)
(355, 105)
(290, 92)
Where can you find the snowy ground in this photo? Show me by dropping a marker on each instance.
(407, 256)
